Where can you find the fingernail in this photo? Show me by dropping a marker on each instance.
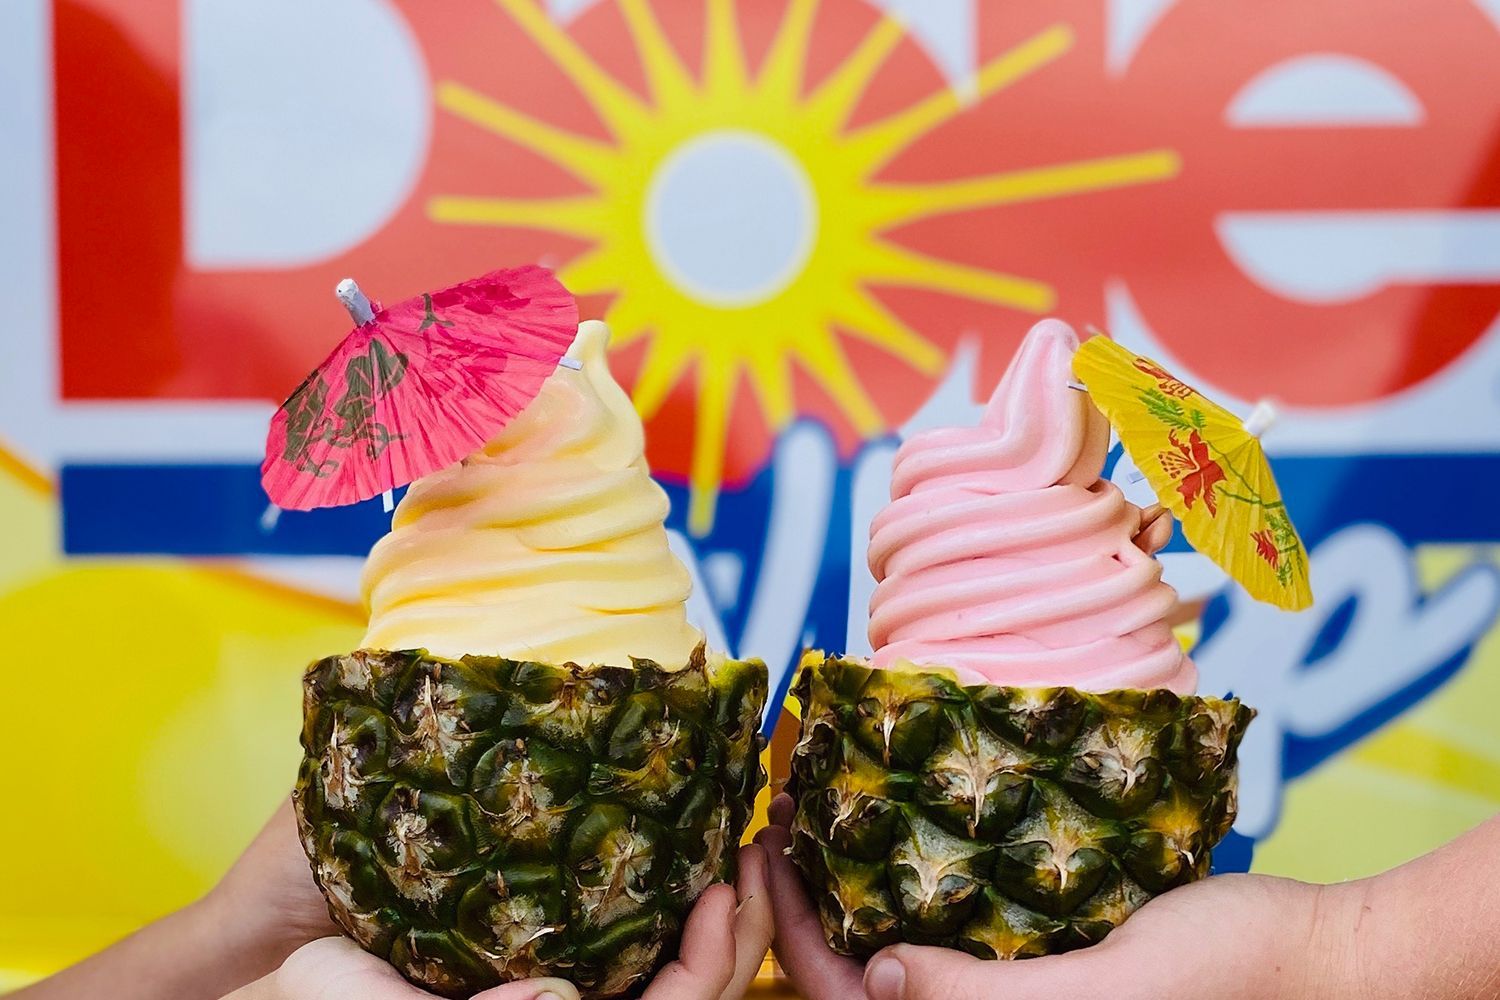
(885, 979)
(549, 995)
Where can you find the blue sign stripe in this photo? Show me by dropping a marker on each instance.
(215, 510)
(200, 510)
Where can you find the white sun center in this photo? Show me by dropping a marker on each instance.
(730, 218)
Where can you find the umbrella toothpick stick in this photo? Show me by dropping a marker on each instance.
(355, 301)
(1262, 418)
(360, 310)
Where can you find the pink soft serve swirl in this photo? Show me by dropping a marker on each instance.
(1006, 557)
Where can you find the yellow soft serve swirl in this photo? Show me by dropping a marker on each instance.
(547, 544)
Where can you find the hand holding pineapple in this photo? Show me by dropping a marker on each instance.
(1023, 763)
(266, 921)
(725, 939)
(1425, 929)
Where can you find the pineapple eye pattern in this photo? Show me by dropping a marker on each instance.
(1006, 822)
(485, 820)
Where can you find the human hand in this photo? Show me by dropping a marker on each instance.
(732, 922)
(335, 968)
(726, 921)
(268, 896)
(1232, 937)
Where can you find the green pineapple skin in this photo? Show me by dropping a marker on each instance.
(1087, 806)
(482, 820)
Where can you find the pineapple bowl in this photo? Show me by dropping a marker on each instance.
(1007, 822)
(481, 820)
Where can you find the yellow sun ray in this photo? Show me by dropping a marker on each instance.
(584, 216)
(615, 103)
(826, 363)
(781, 72)
(663, 365)
(876, 143)
(859, 314)
(668, 78)
(771, 378)
(710, 433)
(629, 319)
(591, 273)
(587, 159)
(836, 96)
(723, 58)
(890, 264)
(1021, 61)
(889, 204)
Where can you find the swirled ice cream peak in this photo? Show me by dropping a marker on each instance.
(1005, 556)
(548, 543)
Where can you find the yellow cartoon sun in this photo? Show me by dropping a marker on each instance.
(737, 220)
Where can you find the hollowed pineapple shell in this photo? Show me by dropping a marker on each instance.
(483, 820)
(1006, 822)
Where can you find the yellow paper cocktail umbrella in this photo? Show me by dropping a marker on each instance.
(1205, 464)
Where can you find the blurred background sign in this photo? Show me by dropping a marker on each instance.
(813, 227)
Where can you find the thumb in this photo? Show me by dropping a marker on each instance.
(910, 972)
(532, 989)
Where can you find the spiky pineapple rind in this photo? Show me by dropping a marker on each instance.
(481, 820)
(1006, 822)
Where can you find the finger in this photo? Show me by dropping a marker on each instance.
(335, 968)
(1156, 529)
(532, 989)
(909, 972)
(753, 924)
(703, 965)
(781, 810)
(815, 969)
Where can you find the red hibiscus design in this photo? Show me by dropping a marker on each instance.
(1195, 471)
(1265, 547)
(1165, 380)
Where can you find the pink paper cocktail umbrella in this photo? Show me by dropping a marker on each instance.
(417, 386)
